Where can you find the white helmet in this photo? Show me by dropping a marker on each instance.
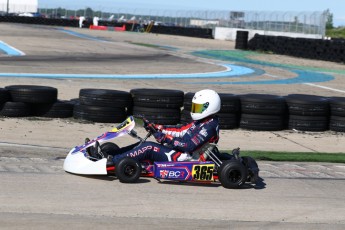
(205, 103)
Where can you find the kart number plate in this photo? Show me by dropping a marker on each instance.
(203, 172)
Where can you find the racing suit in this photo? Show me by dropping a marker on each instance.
(177, 143)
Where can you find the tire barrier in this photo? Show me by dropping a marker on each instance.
(319, 49)
(58, 109)
(262, 112)
(241, 40)
(158, 105)
(99, 113)
(33, 100)
(32, 93)
(159, 115)
(183, 31)
(308, 112)
(4, 96)
(102, 105)
(16, 109)
(337, 118)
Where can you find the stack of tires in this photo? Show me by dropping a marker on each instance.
(33, 100)
(263, 112)
(4, 97)
(102, 105)
(337, 119)
(228, 114)
(308, 112)
(241, 40)
(161, 106)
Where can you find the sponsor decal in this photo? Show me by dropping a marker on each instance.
(179, 173)
(195, 140)
(180, 144)
(140, 151)
(163, 173)
(203, 132)
(176, 174)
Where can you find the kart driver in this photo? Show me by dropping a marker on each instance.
(177, 143)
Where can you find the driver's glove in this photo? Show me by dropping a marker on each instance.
(159, 136)
(163, 138)
(149, 126)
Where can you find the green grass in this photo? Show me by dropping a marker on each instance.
(336, 32)
(295, 156)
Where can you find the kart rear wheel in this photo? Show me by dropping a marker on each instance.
(128, 170)
(109, 148)
(232, 174)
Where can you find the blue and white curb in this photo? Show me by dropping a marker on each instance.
(9, 50)
(231, 71)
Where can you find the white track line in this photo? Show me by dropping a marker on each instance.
(324, 87)
(311, 84)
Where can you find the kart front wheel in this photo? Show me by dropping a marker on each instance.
(128, 170)
(232, 174)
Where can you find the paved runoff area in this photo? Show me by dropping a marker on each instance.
(37, 194)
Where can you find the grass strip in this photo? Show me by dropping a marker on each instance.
(296, 156)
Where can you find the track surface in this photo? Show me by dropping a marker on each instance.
(37, 194)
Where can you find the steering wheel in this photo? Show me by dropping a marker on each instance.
(148, 126)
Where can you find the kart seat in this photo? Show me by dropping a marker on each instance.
(202, 153)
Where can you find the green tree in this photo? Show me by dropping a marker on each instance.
(329, 20)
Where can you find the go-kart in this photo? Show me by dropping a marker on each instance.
(231, 170)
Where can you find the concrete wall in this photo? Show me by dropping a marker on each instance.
(224, 33)
(19, 6)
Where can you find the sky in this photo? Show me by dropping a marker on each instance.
(336, 7)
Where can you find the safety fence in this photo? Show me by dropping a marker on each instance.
(129, 26)
(283, 21)
(280, 21)
(261, 112)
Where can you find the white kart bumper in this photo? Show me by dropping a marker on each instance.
(77, 163)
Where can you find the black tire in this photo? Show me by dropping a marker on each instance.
(32, 93)
(105, 98)
(109, 148)
(226, 120)
(337, 124)
(162, 116)
(157, 98)
(308, 105)
(262, 122)
(16, 109)
(4, 96)
(59, 109)
(309, 123)
(264, 104)
(99, 114)
(128, 170)
(337, 106)
(232, 174)
(253, 169)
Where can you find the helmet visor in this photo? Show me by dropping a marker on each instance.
(199, 108)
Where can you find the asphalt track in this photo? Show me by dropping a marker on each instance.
(37, 194)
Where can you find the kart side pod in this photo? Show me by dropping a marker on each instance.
(185, 171)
